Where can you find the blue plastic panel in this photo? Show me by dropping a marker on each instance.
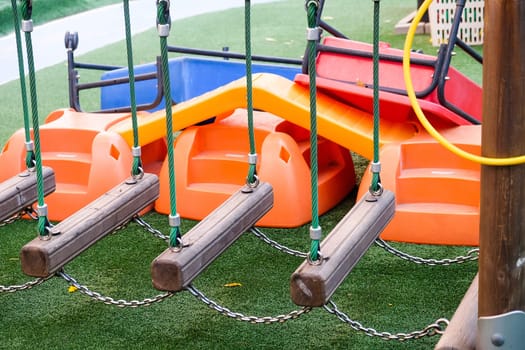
(189, 78)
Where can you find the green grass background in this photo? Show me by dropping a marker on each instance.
(46, 10)
(383, 292)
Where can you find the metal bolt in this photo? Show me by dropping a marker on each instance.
(497, 339)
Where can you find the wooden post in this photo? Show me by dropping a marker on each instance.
(19, 191)
(174, 270)
(41, 258)
(461, 332)
(313, 285)
(502, 211)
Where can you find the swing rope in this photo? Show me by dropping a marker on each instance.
(30, 156)
(163, 28)
(27, 28)
(375, 186)
(313, 36)
(136, 170)
(252, 156)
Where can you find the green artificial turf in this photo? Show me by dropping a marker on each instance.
(383, 292)
(46, 10)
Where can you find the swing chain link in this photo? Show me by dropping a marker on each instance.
(12, 219)
(109, 300)
(259, 234)
(436, 328)
(27, 211)
(472, 255)
(139, 221)
(241, 317)
(28, 285)
(20, 287)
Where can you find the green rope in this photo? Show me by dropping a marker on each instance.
(137, 163)
(30, 155)
(249, 94)
(311, 7)
(43, 222)
(376, 181)
(163, 24)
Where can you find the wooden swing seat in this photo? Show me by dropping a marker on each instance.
(175, 269)
(69, 238)
(313, 285)
(20, 191)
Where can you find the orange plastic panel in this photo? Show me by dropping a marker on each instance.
(87, 160)
(211, 163)
(437, 192)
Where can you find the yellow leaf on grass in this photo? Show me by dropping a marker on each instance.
(233, 284)
(72, 289)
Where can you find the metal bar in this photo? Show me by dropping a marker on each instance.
(227, 54)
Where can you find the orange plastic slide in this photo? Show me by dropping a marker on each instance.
(340, 123)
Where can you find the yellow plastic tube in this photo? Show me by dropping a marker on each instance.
(421, 116)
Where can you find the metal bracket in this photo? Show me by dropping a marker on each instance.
(505, 331)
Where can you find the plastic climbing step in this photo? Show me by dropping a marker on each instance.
(86, 159)
(211, 164)
(434, 188)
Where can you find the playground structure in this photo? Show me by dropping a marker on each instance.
(346, 120)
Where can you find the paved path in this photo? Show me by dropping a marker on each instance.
(98, 28)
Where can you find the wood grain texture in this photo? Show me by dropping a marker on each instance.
(175, 270)
(502, 194)
(41, 258)
(20, 191)
(313, 285)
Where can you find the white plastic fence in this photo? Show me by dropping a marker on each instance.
(441, 15)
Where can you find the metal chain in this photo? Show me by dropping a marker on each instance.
(438, 327)
(25, 286)
(28, 285)
(12, 219)
(259, 234)
(110, 301)
(241, 317)
(138, 220)
(29, 211)
(472, 255)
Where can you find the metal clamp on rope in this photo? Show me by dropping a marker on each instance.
(30, 146)
(27, 25)
(136, 151)
(252, 158)
(313, 34)
(174, 220)
(164, 28)
(41, 210)
(375, 167)
(316, 233)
